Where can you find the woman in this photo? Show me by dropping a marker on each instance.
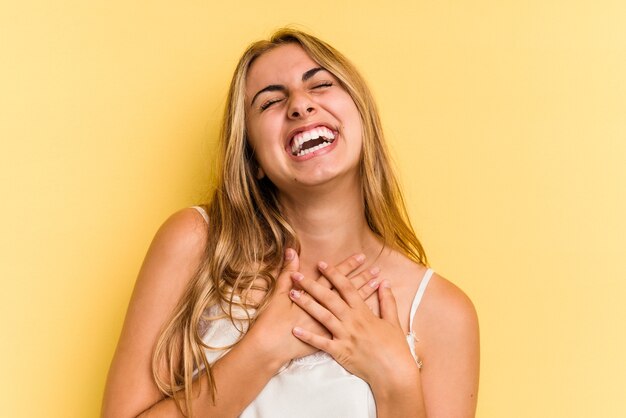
(269, 311)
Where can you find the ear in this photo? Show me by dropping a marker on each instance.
(260, 173)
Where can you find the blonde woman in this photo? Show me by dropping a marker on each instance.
(300, 290)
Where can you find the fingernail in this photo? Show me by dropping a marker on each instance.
(386, 284)
(374, 283)
(322, 265)
(298, 331)
(289, 254)
(374, 270)
(295, 294)
(297, 276)
(360, 258)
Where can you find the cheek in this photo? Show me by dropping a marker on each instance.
(263, 147)
(251, 133)
(353, 119)
(262, 130)
(347, 108)
(256, 137)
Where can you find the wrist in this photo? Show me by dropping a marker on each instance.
(400, 394)
(265, 349)
(396, 386)
(393, 370)
(395, 383)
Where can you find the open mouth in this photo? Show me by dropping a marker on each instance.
(311, 140)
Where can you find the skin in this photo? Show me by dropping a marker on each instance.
(174, 254)
(321, 197)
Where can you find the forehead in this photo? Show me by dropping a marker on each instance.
(280, 65)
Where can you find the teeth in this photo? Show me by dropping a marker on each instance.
(315, 148)
(302, 137)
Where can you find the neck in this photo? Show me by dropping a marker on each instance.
(330, 224)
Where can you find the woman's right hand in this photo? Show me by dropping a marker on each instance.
(272, 330)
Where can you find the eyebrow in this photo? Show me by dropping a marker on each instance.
(279, 87)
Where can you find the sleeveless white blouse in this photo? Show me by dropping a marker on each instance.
(309, 387)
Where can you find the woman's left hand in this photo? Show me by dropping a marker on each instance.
(373, 348)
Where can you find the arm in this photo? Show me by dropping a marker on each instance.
(242, 363)
(171, 261)
(447, 326)
(258, 356)
(173, 258)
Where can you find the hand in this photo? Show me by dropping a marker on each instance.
(370, 347)
(359, 281)
(272, 329)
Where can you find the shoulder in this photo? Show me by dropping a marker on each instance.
(446, 326)
(443, 300)
(186, 224)
(182, 233)
(176, 251)
(174, 257)
(450, 304)
(446, 321)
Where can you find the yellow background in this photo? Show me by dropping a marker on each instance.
(506, 119)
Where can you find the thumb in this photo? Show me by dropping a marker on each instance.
(387, 302)
(291, 264)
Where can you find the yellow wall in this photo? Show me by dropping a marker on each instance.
(507, 120)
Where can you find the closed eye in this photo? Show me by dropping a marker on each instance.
(268, 103)
(323, 84)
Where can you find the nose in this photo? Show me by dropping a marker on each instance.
(301, 106)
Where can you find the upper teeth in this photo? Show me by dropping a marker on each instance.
(315, 133)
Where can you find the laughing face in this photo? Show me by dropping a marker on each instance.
(303, 126)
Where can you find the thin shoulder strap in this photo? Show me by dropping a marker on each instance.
(418, 296)
(202, 212)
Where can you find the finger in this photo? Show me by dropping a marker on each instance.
(364, 277)
(347, 266)
(350, 264)
(314, 340)
(342, 284)
(291, 264)
(369, 289)
(387, 302)
(323, 296)
(317, 311)
(366, 282)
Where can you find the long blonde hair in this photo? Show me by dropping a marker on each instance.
(248, 232)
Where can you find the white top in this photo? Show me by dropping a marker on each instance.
(313, 386)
